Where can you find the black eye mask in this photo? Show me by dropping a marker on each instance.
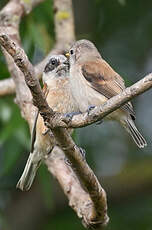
(52, 64)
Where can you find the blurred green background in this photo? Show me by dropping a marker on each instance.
(122, 31)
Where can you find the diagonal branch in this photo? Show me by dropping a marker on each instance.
(7, 86)
(10, 17)
(102, 111)
(64, 28)
(98, 216)
(93, 208)
(79, 198)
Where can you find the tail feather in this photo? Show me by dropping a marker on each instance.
(29, 173)
(135, 134)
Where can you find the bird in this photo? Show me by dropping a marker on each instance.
(93, 81)
(59, 98)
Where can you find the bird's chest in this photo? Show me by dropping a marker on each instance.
(83, 93)
(60, 98)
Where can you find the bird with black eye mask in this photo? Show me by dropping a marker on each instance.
(53, 62)
(58, 95)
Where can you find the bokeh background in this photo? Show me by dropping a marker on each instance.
(122, 31)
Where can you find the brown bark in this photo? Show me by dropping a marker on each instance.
(92, 206)
(98, 113)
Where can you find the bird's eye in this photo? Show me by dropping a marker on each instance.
(53, 61)
(71, 52)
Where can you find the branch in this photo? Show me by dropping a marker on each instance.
(10, 17)
(64, 27)
(97, 211)
(99, 112)
(64, 22)
(98, 216)
(15, 9)
(7, 87)
(78, 198)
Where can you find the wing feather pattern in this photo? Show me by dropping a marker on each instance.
(101, 77)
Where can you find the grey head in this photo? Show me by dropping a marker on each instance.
(83, 50)
(57, 66)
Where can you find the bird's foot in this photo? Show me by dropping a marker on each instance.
(68, 116)
(67, 161)
(83, 152)
(91, 107)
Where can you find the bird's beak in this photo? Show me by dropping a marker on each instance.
(67, 55)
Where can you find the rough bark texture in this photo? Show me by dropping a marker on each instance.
(98, 216)
(85, 194)
(98, 113)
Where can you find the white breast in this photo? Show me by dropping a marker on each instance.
(84, 95)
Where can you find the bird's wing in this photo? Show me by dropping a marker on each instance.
(101, 77)
(33, 133)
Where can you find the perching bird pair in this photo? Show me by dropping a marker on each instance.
(88, 81)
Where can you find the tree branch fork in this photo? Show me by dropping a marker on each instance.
(99, 112)
(79, 183)
(56, 120)
(96, 215)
